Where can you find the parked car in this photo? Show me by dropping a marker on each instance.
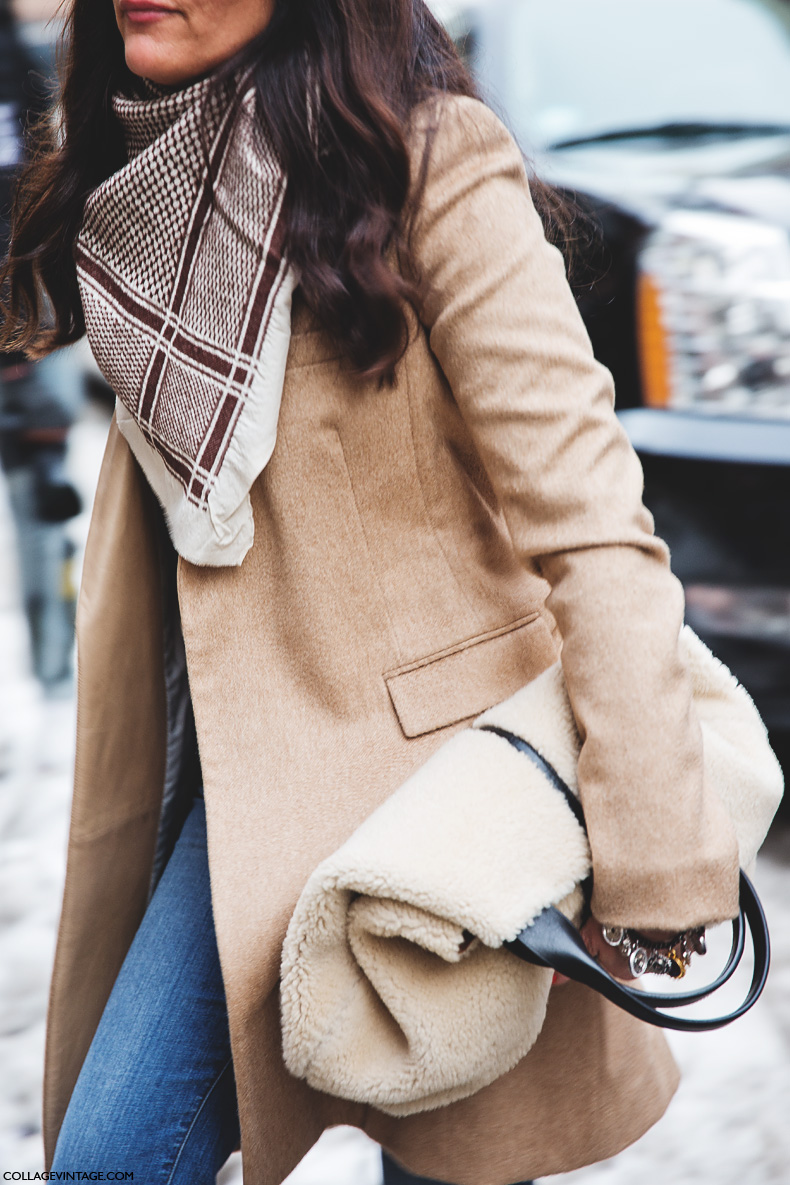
(669, 121)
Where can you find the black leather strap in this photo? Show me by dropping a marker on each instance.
(552, 941)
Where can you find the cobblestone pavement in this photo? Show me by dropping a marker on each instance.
(728, 1124)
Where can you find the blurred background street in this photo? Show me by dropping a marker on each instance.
(667, 122)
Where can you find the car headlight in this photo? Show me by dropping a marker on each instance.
(713, 311)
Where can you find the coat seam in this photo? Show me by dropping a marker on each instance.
(421, 486)
(460, 647)
(368, 552)
(109, 828)
(48, 1084)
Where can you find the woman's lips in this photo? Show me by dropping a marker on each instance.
(145, 12)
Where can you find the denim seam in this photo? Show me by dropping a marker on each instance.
(195, 1118)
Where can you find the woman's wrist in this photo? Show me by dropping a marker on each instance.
(654, 942)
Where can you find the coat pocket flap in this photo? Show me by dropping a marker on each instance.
(468, 678)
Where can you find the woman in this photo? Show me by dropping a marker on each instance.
(321, 235)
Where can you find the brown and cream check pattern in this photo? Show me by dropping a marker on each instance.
(181, 267)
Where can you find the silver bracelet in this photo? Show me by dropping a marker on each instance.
(661, 958)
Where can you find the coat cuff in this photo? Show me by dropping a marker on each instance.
(702, 893)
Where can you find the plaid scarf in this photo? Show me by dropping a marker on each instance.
(187, 300)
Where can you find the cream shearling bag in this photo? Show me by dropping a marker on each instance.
(384, 998)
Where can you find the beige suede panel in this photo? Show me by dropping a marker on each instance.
(394, 525)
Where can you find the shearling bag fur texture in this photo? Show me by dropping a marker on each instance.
(385, 999)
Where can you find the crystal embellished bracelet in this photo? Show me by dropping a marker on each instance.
(671, 957)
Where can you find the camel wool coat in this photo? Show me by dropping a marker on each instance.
(420, 551)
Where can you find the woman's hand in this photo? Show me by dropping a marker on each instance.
(608, 956)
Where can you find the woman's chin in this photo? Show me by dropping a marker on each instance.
(156, 62)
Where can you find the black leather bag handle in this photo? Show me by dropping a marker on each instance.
(550, 940)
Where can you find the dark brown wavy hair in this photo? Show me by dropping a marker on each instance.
(365, 64)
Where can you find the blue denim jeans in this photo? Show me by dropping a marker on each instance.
(156, 1094)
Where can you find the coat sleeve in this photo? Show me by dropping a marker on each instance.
(505, 329)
